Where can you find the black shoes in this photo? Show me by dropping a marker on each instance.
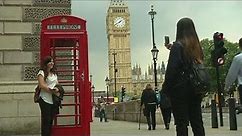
(167, 126)
(104, 120)
(149, 128)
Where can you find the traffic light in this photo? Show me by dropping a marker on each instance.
(122, 93)
(217, 55)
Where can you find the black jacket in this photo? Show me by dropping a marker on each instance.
(57, 99)
(165, 100)
(148, 96)
(175, 69)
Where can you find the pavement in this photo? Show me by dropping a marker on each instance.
(124, 128)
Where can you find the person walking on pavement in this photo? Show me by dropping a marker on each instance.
(235, 71)
(165, 107)
(102, 106)
(186, 105)
(148, 98)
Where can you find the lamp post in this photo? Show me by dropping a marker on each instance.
(107, 84)
(93, 88)
(154, 50)
(152, 15)
(163, 70)
(155, 54)
(115, 72)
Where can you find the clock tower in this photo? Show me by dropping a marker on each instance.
(119, 57)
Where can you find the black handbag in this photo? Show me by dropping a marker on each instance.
(37, 94)
(197, 76)
(199, 79)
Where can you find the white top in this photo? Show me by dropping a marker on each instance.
(51, 81)
(235, 71)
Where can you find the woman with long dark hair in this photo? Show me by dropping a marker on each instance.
(186, 105)
(47, 79)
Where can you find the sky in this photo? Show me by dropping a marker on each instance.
(209, 17)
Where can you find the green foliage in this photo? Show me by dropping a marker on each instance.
(208, 46)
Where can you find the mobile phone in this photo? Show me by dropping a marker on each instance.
(167, 41)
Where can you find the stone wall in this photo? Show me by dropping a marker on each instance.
(18, 114)
(19, 60)
(129, 111)
(20, 35)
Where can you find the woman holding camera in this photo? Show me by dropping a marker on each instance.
(186, 105)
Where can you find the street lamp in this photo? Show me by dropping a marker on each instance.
(154, 52)
(163, 68)
(152, 15)
(93, 88)
(115, 72)
(107, 84)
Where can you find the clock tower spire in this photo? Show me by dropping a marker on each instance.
(118, 3)
(119, 54)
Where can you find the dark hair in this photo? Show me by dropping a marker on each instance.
(148, 87)
(187, 35)
(240, 43)
(44, 64)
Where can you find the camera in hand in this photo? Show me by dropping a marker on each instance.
(167, 41)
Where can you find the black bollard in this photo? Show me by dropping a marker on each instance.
(232, 114)
(214, 114)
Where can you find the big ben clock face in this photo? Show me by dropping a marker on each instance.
(119, 22)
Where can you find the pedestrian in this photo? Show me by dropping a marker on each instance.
(148, 98)
(186, 105)
(47, 80)
(165, 107)
(235, 72)
(102, 110)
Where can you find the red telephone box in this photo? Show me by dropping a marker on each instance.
(65, 39)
